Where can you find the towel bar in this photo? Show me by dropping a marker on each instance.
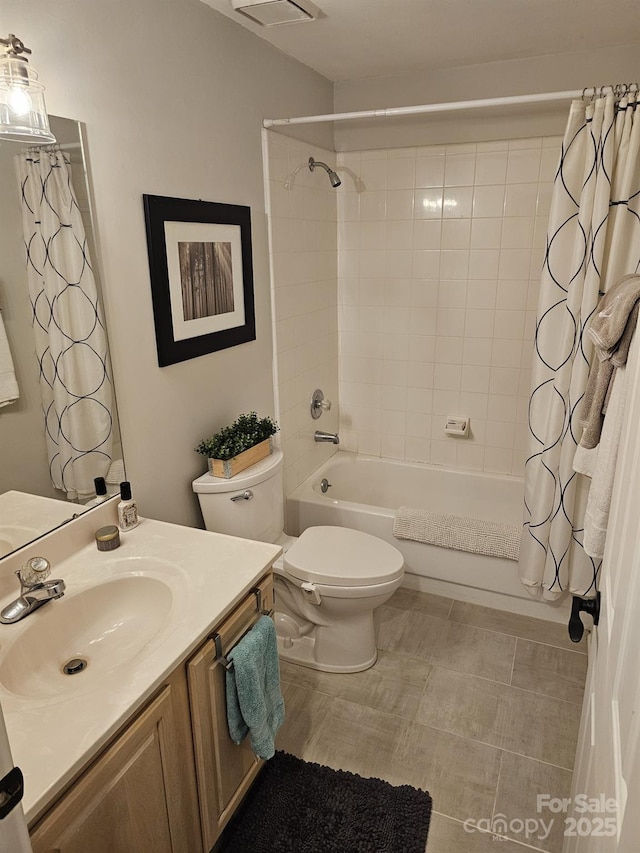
(258, 594)
(220, 656)
(227, 664)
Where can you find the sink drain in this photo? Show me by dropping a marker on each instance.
(74, 665)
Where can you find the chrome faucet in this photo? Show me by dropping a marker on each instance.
(35, 590)
(326, 436)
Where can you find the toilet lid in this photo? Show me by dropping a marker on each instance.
(342, 557)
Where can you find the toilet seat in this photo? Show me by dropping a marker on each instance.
(342, 557)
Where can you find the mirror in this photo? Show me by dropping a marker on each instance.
(24, 457)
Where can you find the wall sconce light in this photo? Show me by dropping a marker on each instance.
(23, 114)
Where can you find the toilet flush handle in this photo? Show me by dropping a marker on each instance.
(243, 496)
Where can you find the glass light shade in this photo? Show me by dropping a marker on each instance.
(23, 114)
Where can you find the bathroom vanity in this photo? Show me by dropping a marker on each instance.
(133, 753)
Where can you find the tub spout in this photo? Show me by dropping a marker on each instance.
(326, 436)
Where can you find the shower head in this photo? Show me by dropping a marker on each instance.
(335, 180)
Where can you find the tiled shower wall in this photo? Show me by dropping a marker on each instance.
(302, 209)
(440, 250)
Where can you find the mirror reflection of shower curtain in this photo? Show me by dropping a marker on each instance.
(68, 325)
(593, 238)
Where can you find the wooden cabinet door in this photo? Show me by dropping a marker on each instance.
(224, 770)
(139, 796)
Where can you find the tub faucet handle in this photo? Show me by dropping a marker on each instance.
(319, 404)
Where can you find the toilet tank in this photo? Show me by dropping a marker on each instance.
(260, 516)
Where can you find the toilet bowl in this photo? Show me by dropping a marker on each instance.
(333, 578)
(328, 581)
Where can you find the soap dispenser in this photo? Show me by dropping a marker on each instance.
(127, 508)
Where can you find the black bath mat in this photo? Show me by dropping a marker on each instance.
(299, 807)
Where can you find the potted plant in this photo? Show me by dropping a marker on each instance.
(236, 447)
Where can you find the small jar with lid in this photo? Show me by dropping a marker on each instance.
(108, 538)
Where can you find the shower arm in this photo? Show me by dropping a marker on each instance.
(333, 177)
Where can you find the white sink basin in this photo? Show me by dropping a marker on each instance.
(107, 625)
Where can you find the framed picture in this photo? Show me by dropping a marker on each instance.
(201, 276)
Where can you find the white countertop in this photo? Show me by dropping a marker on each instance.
(53, 738)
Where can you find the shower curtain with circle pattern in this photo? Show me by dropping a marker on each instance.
(69, 330)
(593, 238)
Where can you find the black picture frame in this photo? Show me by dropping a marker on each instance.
(200, 260)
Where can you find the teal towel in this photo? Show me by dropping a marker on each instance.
(254, 702)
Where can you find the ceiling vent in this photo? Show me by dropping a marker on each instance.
(270, 13)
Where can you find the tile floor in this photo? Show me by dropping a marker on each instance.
(477, 706)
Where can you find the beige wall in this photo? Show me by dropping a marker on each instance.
(172, 95)
(561, 72)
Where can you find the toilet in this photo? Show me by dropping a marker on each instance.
(328, 581)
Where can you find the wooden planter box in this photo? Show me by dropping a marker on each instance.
(228, 468)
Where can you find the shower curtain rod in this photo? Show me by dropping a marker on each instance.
(54, 146)
(428, 108)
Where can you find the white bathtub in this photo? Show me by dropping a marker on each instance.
(365, 493)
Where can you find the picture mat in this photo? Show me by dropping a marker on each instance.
(203, 232)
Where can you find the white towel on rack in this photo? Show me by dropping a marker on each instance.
(584, 462)
(599, 463)
(9, 392)
(596, 515)
(461, 534)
